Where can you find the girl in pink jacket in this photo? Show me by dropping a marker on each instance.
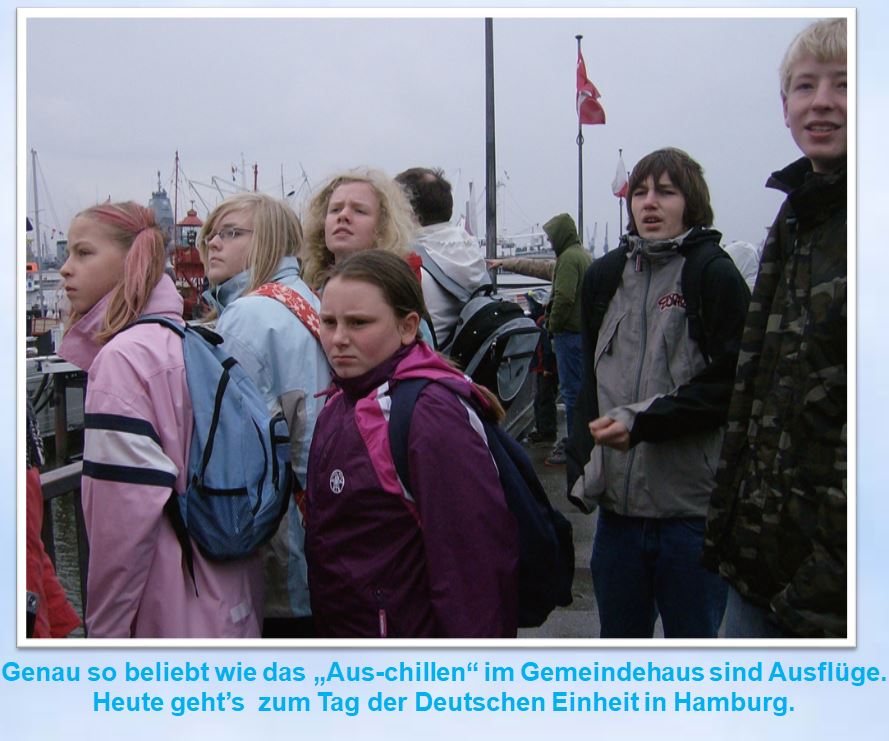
(138, 424)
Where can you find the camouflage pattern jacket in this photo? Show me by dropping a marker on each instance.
(777, 523)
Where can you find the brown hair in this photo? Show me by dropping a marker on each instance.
(686, 174)
(401, 290)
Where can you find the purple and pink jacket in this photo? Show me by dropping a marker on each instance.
(440, 561)
(138, 425)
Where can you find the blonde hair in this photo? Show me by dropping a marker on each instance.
(277, 233)
(395, 229)
(823, 40)
(134, 228)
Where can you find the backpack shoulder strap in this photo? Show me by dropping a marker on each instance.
(440, 276)
(171, 506)
(404, 397)
(605, 275)
(697, 259)
(158, 319)
(183, 330)
(297, 304)
(458, 291)
(608, 272)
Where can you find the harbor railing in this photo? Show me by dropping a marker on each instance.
(63, 482)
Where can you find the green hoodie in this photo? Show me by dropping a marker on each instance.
(572, 260)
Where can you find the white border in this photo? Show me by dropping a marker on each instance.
(25, 14)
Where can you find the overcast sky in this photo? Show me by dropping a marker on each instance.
(109, 101)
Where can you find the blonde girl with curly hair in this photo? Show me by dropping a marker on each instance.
(356, 210)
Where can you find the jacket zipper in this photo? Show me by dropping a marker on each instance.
(631, 456)
(382, 617)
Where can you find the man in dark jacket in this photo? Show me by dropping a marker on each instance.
(777, 523)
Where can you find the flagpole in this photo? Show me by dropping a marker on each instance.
(620, 201)
(579, 161)
(491, 173)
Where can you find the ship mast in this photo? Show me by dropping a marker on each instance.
(176, 192)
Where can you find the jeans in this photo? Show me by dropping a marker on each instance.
(569, 358)
(743, 619)
(642, 566)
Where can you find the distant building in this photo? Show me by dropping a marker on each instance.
(163, 212)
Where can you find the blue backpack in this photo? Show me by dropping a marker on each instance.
(239, 475)
(546, 545)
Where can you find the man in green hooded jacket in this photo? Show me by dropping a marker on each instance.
(572, 260)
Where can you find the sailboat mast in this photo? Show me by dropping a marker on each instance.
(39, 253)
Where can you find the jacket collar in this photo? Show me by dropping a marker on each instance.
(660, 249)
(79, 345)
(362, 385)
(798, 174)
(416, 360)
(222, 295)
(812, 195)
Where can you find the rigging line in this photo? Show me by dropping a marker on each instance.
(52, 208)
(192, 190)
(520, 209)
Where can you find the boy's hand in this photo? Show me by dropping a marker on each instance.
(612, 434)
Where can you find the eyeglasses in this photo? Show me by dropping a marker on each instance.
(229, 233)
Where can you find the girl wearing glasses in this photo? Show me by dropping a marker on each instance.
(138, 425)
(249, 243)
(356, 210)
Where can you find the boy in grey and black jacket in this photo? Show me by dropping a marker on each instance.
(654, 404)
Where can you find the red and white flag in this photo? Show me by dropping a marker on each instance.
(619, 184)
(589, 111)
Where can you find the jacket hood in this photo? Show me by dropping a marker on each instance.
(456, 252)
(79, 345)
(562, 232)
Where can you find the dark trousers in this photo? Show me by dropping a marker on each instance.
(546, 387)
(644, 566)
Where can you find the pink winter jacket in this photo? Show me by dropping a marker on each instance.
(138, 425)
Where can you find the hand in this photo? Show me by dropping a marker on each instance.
(493, 263)
(612, 434)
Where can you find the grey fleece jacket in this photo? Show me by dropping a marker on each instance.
(648, 369)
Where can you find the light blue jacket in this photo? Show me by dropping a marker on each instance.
(289, 368)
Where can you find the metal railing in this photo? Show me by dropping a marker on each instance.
(61, 482)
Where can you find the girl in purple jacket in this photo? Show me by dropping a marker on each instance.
(138, 425)
(439, 556)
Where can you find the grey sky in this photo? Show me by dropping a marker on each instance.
(109, 101)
